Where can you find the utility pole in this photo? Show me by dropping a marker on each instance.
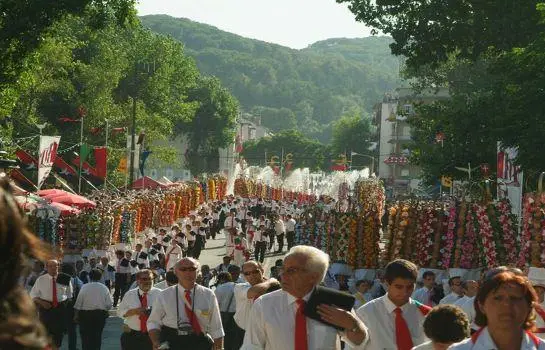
(133, 141)
(80, 155)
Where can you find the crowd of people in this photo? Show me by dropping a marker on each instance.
(172, 302)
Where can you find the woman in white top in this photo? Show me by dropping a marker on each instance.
(505, 310)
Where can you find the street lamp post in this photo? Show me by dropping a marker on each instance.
(352, 154)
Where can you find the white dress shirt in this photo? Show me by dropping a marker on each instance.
(225, 295)
(140, 260)
(107, 275)
(43, 289)
(131, 300)
(290, 225)
(94, 296)
(485, 342)
(259, 237)
(469, 309)
(206, 309)
(461, 301)
(379, 316)
(122, 269)
(450, 299)
(243, 304)
(421, 295)
(279, 227)
(272, 326)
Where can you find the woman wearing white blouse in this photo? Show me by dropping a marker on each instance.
(504, 310)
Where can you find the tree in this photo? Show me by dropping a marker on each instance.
(428, 32)
(213, 125)
(23, 24)
(275, 119)
(306, 152)
(353, 133)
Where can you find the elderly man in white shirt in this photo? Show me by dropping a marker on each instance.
(395, 320)
(135, 309)
(91, 310)
(424, 295)
(187, 315)
(50, 293)
(277, 320)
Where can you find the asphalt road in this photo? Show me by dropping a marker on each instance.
(211, 256)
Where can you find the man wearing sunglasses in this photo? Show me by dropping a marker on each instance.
(245, 293)
(186, 315)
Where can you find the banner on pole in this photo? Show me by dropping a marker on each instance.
(47, 154)
(510, 177)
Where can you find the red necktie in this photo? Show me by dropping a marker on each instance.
(403, 336)
(192, 318)
(300, 326)
(55, 301)
(144, 317)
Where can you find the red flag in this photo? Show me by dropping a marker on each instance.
(28, 161)
(339, 167)
(65, 169)
(101, 156)
(18, 176)
(86, 168)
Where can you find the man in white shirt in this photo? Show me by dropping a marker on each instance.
(395, 320)
(455, 284)
(172, 254)
(51, 293)
(122, 276)
(290, 231)
(230, 227)
(135, 310)
(280, 230)
(187, 315)
(108, 272)
(246, 293)
(469, 289)
(91, 311)
(424, 295)
(141, 257)
(277, 320)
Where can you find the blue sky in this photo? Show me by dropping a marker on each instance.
(292, 23)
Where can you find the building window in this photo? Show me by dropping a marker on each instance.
(408, 109)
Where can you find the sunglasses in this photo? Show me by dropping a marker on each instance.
(185, 269)
(248, 273)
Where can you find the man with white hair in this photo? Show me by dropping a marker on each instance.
(186, 315)
(277, 320)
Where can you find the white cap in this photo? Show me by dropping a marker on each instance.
(536, 275)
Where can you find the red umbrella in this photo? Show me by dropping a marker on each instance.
(65, 209)
(75, 200)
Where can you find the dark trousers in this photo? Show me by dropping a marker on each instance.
(135, 340)
(280, 240)
(55, 321)
(259, 253)
(290, 237)
(184, 342)
(71, 328)
(197, 247)
(229, 327)
(91, 325)
(239, 336)
(271, 240)
(121, 286)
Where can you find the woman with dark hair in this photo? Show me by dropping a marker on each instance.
(504, 309)
(20, 327)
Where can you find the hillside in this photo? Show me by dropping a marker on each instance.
(306, 88)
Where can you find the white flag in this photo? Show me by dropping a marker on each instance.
(47, 154)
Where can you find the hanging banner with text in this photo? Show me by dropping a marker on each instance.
(47, 153)
(510, 177)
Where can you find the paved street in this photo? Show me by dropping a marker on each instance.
(212, 256)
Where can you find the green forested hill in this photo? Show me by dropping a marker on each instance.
(309, 88)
